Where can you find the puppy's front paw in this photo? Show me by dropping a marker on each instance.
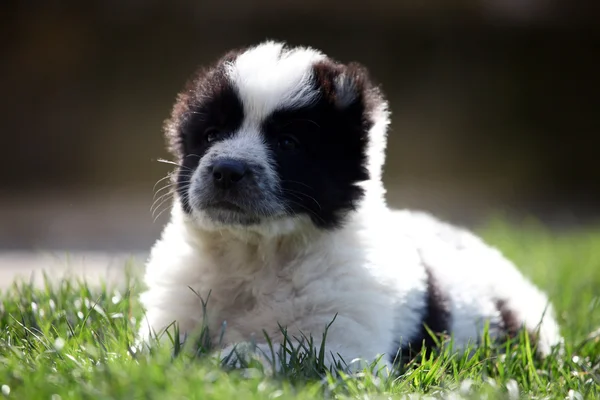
(237, 355)
(246, 354)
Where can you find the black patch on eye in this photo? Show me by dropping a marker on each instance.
(208, 101)
(319, 177)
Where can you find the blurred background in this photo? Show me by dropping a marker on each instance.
(495, 105)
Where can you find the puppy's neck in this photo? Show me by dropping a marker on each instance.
(277, 241)
(286, 233)
(269, 243)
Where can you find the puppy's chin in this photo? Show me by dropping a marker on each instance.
(230, 216)
(219, 220)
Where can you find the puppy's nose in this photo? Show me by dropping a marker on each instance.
(226, 173)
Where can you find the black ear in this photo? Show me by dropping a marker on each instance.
(348, 85)
(351, 85)
(350, 89)
(172, 126)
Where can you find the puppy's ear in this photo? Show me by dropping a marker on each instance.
(172, 125)
(350, 89)
(345, 86)
(351, 85)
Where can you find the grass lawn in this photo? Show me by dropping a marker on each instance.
(73, 341)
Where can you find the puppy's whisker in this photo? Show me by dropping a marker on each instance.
(159, 205)
(311, 212)
(164, 201)
(155, 215)
(159, 200)
(161, 160)
(160, 180)
(297, 183)
(160, 213)
(297, 194)
(166, 197)
(170, 185)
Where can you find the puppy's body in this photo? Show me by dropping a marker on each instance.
(280, 221)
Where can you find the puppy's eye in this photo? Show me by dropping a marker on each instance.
(288, 143)
(213, 135)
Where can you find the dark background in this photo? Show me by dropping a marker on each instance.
(495, 105)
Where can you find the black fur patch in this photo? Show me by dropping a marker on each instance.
(512, 326)
(319, 177)
(510, 323)
(436, 316)
(208, 101)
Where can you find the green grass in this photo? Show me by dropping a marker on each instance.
(74, 341)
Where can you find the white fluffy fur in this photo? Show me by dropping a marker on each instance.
(268, 76)
(371, 272)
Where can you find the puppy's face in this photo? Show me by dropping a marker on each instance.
(271, 133)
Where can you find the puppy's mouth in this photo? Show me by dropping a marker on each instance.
(229, 213)
(234, 207)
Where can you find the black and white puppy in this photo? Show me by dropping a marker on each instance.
(279, 214)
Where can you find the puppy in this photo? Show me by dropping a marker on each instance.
(279, 221)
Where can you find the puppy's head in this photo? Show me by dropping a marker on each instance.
(272, 134)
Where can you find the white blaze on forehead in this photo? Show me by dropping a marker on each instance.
(269, 77)
(247, 144)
